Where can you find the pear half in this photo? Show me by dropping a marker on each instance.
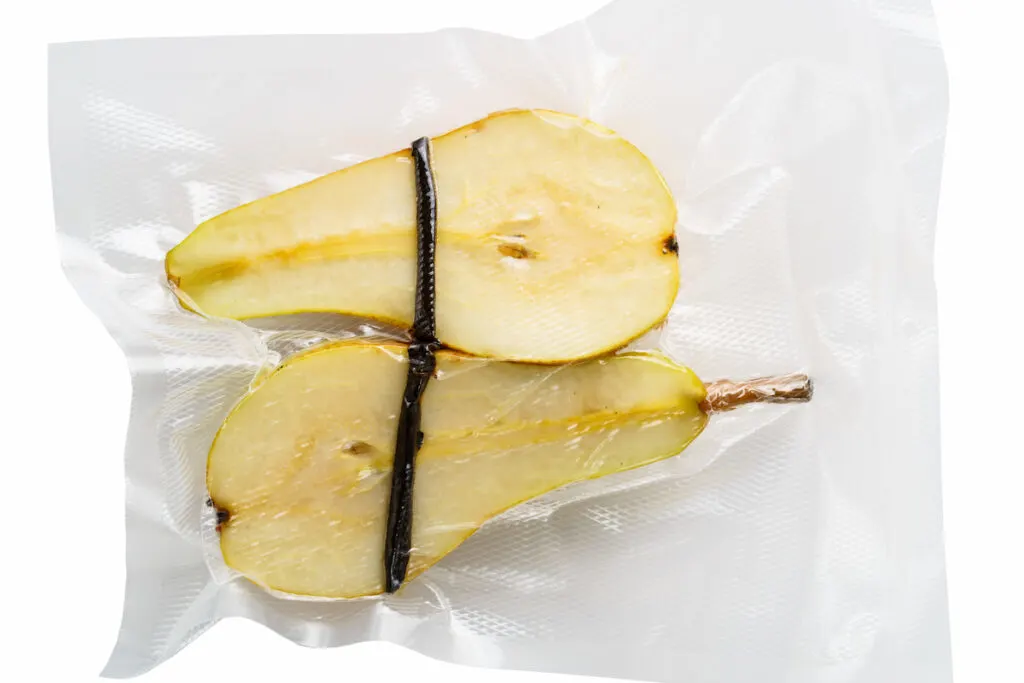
(300, 471)
(555, 242)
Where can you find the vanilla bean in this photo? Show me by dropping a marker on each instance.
(398, 542)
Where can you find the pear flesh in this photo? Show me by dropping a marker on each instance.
(300, 471)
(555, 242)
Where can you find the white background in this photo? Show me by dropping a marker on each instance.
(65, 387)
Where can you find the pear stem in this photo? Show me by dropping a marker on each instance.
(725, 394)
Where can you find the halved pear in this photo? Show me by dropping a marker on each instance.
(555, 242)
(301, 469)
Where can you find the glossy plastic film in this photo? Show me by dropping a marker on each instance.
(801, 141)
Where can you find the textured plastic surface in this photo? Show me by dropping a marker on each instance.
(802, 140)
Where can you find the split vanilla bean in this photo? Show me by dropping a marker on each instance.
(398, 542)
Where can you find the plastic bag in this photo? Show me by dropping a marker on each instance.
(802, 140)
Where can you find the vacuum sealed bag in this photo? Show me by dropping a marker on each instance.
(610, 352)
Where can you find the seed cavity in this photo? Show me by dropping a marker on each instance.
(357, 448)
(516, 251)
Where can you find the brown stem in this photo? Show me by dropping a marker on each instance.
(725, 394)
